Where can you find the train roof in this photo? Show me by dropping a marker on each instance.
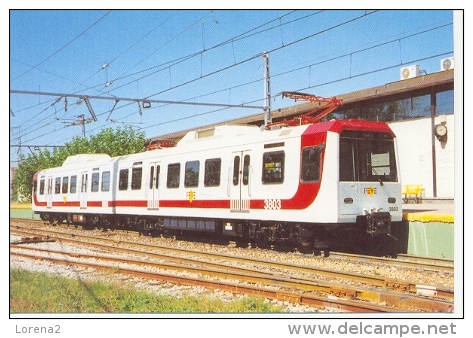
(218, 136)
(74, 160)
(225, 131)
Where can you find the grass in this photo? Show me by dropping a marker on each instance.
(43, 293)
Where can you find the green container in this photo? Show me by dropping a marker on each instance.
(431, 239)
(23, 213)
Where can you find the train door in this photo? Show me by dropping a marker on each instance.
(153, 184)
(83, 190)
(49, 193)
(240, 184)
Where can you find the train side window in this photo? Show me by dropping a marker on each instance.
(123, 179)
(57, 185)
(246, 169)
(191, 175)
(106, 181)
(236, 170)
(174, 174)
(73, 184)
(95, 182)
(41, 187)
(273, 167)
(65, 184)
(212, 172)
(85, 181)
(310, 166)
(50, 186)
(152, 177)
(136, 175)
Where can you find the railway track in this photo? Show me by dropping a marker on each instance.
(292, 281)
(249, 285)
(282, 269)
(418, 262)
(402, 260)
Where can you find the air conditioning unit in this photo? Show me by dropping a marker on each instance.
(410, 72)
(446, 64)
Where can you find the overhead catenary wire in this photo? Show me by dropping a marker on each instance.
(283, 45)
(62, 48)
(108, 64)
(220, 44)
(305, 88)
(351, 76)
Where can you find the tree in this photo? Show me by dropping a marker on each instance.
(114, 142)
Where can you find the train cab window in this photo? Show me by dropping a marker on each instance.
(368, 157)
(136, 175)
(41, 187)
(95, 182)
(191, 176)
(73, 184)
(123, 179)
(273, 167)
(65, 184)
(106, 181)
(212, 172)
(174, 174)
(57, 185)
(310, 164)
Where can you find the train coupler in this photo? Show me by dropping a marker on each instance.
(377, 223)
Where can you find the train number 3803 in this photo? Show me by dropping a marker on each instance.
(272, 204)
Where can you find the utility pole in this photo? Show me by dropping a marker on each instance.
(268, 117)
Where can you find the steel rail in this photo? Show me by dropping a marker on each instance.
(425, 263)
(304, 299)
(381, 282)
(224, 271)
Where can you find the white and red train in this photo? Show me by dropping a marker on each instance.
(299, 184)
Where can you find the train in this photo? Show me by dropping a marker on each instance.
(303, 185)
(299, 182)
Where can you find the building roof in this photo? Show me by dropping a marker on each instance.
(419, 85)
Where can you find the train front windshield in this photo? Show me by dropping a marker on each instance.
(367, 156)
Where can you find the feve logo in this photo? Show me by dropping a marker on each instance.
(370, 191)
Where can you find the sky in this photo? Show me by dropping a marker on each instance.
(212, 60)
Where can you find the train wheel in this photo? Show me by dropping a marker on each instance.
(54, 220)
(305, 240)
(262, 241)
(68, 219)
(305, 247)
